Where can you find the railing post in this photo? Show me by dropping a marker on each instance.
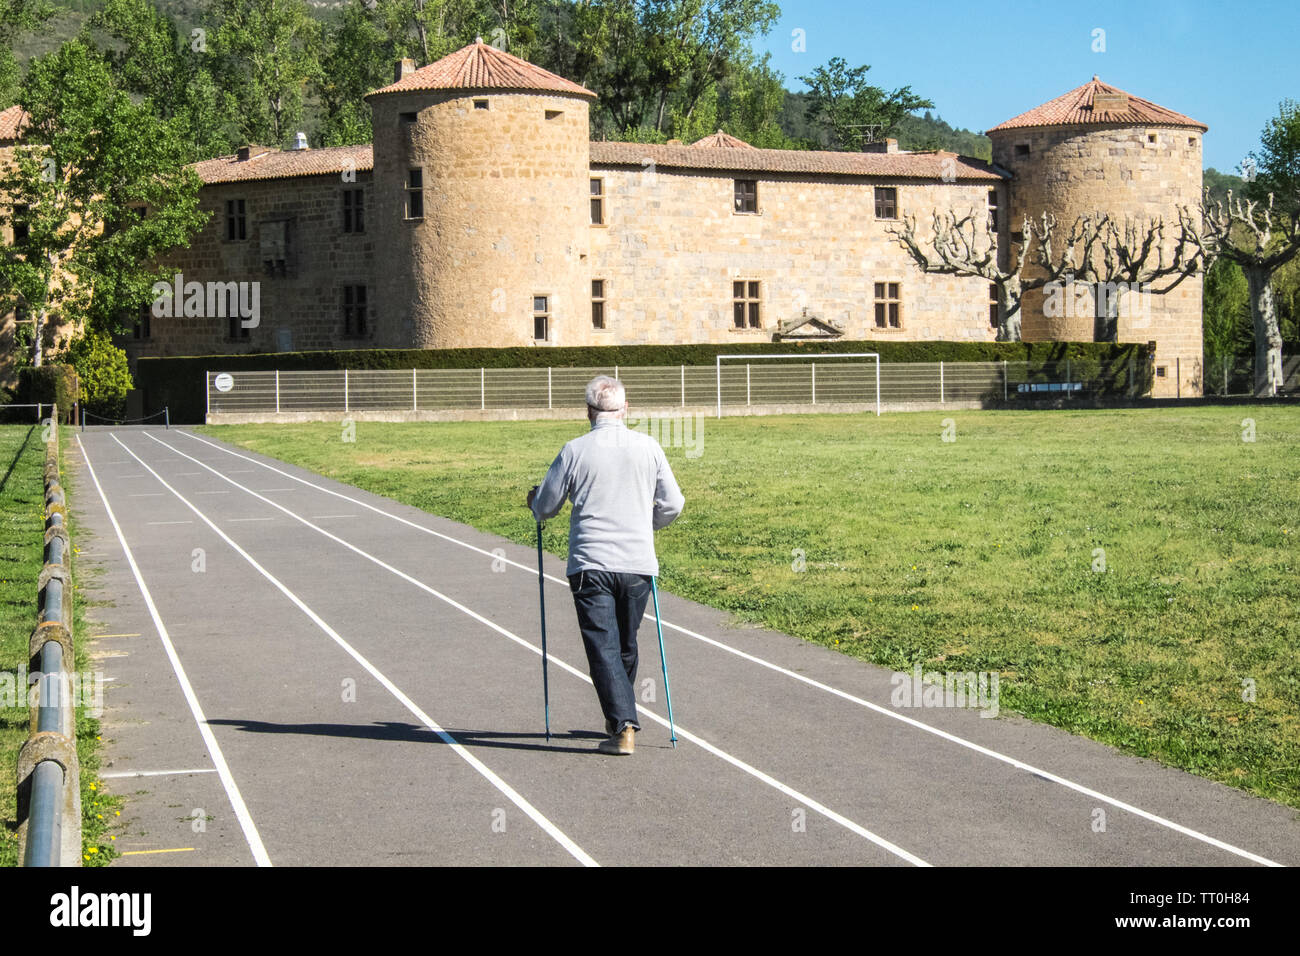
(482, 389)
(1178, 376)
(941, 383)
(277, 391)
(683, 386)
(346, 398)
(814, 383)
(1004, 380)
(717, 364)
(549, 404)
(1067, 378)
(207, 395)
(747, 383)
(415, 393)
(1225, 375)
(167, 418)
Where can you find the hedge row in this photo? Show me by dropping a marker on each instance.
(52, 382)
(179, 382)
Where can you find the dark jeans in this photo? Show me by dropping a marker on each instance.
(610, 606)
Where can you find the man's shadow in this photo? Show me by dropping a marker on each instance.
(400, 732)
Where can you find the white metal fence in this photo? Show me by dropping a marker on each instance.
(740, 384)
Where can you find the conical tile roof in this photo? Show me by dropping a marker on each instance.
(481, 66)
(1099, 104)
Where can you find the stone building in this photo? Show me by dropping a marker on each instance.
(483, 216)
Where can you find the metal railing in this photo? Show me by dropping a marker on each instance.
(736, 384)
(49, 791)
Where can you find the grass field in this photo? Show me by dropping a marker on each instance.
(984, 553)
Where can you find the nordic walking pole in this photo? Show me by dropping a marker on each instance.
(541, 594)
(663, 659)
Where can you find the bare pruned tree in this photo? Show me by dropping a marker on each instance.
(960, 246)
(1133, 257)
(1245, 233)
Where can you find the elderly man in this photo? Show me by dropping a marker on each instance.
(622, 492)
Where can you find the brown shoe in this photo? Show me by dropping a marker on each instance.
(619, 744)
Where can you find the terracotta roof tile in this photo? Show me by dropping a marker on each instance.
(884, 165)
(1099, 104)
(12, 121)
(720, 140)
(285, 164)
(481, 66)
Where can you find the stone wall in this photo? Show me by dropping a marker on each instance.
(300, 309)
(674, 244)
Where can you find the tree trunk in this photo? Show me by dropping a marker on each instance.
(1268, 337)
(36, 338)
(1105, 323)
(1009, 297)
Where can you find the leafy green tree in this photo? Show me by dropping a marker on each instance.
(267, 53)
(1277, 164)
(1225, 319)
(16, 18)
(102, 372)
(171, 72)
(852, 111)
(101, 187)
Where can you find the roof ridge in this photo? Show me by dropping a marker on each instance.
(481, 66)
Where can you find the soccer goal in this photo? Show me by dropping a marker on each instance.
(797, 382)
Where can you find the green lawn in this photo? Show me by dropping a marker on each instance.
(971, 555)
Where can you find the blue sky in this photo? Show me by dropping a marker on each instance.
(1226, 65)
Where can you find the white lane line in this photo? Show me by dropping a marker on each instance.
(510, 793)
(875, 708)
(681, 733)
(150, 773)
(246, 823)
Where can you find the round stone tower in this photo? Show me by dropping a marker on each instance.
(480, 203)
(1098, 149)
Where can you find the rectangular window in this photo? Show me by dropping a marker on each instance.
(554, 114)
(993, 209)
(745, 304)
(889, 306)
(598, 202)
(354, 311)
(746, 195)
(597, 303)
(541, 318)
(480, 104)
(1022, 149)
(236, 220)
(886, 202)
(408, 117)
(142, 330)
(21, 229)
(415, 194)
(354, 210)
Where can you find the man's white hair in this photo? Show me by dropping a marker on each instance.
(605, 394)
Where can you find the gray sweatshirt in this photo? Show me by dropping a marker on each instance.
(622, 491)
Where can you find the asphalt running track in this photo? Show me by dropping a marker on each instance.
(303, 673)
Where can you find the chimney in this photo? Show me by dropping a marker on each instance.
(881, 146)
(300, 141)
(404, 68)
(243, 153)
